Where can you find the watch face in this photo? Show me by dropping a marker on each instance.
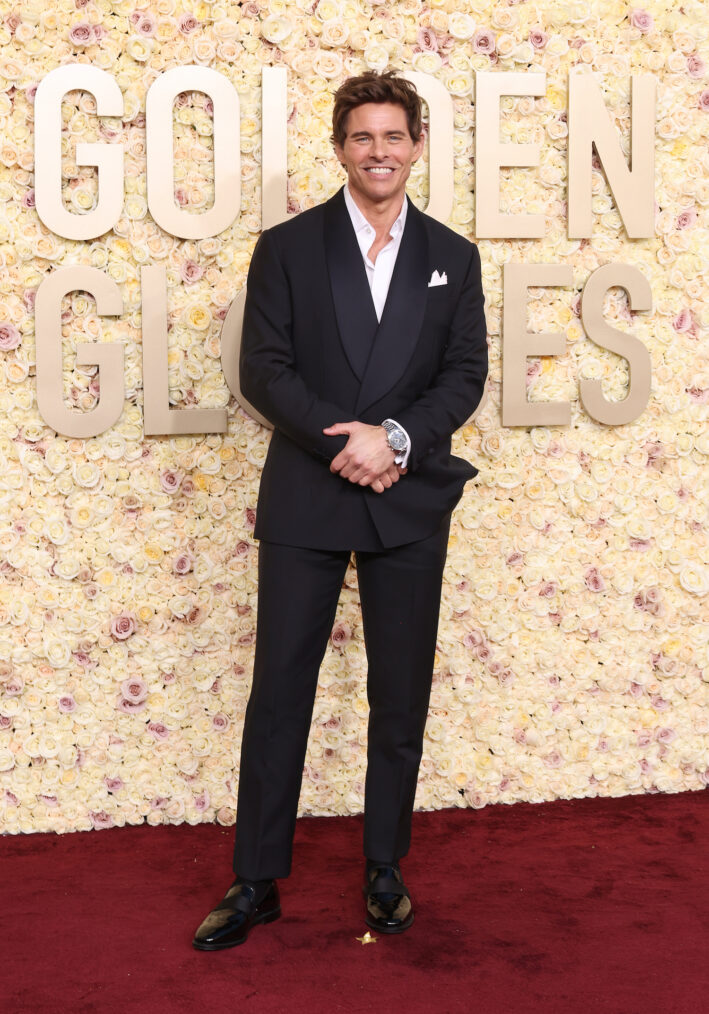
(397, 440)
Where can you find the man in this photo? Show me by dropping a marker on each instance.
(364, 343)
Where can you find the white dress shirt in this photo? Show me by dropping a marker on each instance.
(379, 273)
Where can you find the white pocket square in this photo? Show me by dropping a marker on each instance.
(437, 279)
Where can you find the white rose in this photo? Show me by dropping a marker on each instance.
(694, 577)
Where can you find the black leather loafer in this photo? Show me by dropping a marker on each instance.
(389, 908)
(240, 909)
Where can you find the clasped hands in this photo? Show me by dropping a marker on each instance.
(366, 458)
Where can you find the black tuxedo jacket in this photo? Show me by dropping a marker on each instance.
(313, 354)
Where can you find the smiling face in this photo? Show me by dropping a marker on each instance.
(378, 153)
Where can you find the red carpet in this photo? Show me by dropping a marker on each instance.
(595, 905)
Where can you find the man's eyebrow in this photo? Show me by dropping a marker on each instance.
(368, 133)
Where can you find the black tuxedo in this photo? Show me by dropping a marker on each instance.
(313, 354)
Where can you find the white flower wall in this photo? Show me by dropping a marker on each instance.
(574, 628)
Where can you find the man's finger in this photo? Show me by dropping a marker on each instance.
(337, 428)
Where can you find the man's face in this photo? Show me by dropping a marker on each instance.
(378, 152)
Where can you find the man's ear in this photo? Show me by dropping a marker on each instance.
(419, 146)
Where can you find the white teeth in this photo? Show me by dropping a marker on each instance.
(383, 171)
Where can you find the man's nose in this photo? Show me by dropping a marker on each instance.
(379, 147)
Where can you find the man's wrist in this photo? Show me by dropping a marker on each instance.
(399, 441)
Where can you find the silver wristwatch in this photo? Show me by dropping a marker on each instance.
(395, 436)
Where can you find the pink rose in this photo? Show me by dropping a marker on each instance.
(146, 26)
(191, 272)
(170, 481)
(484, 41)
(594, 580)
(548, 589)
(683, 321)
(695, 65)
(130, 707)
(10, 337)
(113, 784)
(427, 40)
(188, 23)
(665, 735)
(221, 722)
(704, 100)
(123, 626)
(698, 394)
(194, 616)
(12, 21)
(641, 20)
(82, 34)
(686, 218)
(134, 689)
(101, 820)
(66, 704)
(538, 38)
(250, 518)
(472, 639)
(28, 200)
(14, 685)
(341, 634)
(553, 759)
(639, 545)
(183, 564)
(158, 730)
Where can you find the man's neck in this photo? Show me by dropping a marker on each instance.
(381, 215)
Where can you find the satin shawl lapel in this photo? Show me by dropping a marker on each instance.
(354, 308)
(402, 318)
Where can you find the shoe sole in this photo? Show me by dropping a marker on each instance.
(390, 929)
(262, 919)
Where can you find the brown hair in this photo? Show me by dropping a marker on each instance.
(374, 87)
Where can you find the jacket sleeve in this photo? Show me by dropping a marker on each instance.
(460, 382)
(267, 373)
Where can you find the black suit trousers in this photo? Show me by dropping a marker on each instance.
(400, 592)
